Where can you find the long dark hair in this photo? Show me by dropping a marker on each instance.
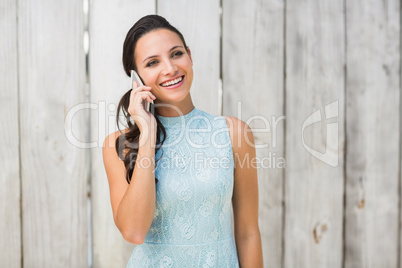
(127, 144)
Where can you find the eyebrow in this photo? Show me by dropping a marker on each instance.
(157, 55)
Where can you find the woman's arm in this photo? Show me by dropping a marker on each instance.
(245, 195)
(133, 204)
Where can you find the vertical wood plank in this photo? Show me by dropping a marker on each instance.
(51, 75)
(315, 44)
(10, 223)
(373, 117)
(109, 23)
(199, 23)
(253, 91)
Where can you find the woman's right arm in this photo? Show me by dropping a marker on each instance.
(133, 204)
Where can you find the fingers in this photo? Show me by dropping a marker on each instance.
(145, 95)
(136, 102)
(135, 87)
(141, 92)
(139, 89)
(138, 97)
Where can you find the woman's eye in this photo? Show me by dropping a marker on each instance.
(177, 53)
(152, 62)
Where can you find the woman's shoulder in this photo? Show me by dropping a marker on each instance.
(110, 140)
(239, 131)
(235, 123)
(109, 145)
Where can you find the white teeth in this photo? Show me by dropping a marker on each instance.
(172, 82)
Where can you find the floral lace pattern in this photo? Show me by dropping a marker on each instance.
(192, 221)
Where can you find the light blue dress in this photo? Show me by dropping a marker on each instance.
(192, 221)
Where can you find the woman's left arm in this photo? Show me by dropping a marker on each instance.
(245, 195)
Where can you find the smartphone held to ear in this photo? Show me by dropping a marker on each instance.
(136, 77)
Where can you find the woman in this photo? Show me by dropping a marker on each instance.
(171, 195)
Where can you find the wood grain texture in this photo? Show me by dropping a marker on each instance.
(315, 58)
(10, 223)
(52, 79)
(253, 91)
(108, 26)
(373, 117)
(199, 23)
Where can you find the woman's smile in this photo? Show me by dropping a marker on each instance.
(173, 83)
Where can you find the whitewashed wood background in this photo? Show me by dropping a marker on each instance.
(271, 63)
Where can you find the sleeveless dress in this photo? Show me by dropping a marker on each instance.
(192, 220)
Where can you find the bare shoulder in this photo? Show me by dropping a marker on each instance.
(240, 133)
(110, 140)
(109, 144)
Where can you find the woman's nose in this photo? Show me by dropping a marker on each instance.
(170, 68)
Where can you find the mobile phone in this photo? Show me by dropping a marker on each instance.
(136, 77)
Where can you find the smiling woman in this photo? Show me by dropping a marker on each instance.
(177, 211)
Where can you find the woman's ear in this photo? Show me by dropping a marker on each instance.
(189, 54)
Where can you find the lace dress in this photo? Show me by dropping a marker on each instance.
(192, 221)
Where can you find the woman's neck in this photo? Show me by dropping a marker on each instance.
(177, 109)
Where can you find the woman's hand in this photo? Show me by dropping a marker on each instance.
(145, 120)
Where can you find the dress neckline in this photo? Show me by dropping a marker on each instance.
(169, 121)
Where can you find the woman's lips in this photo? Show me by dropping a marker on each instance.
(175, 85)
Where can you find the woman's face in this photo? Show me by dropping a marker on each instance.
(164, 64)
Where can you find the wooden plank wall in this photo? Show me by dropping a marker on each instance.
(10, 221)
(253, 90)
(373, 152)
(53, 175)
(314, 80)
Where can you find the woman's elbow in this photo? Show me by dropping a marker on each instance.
(133, 238)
